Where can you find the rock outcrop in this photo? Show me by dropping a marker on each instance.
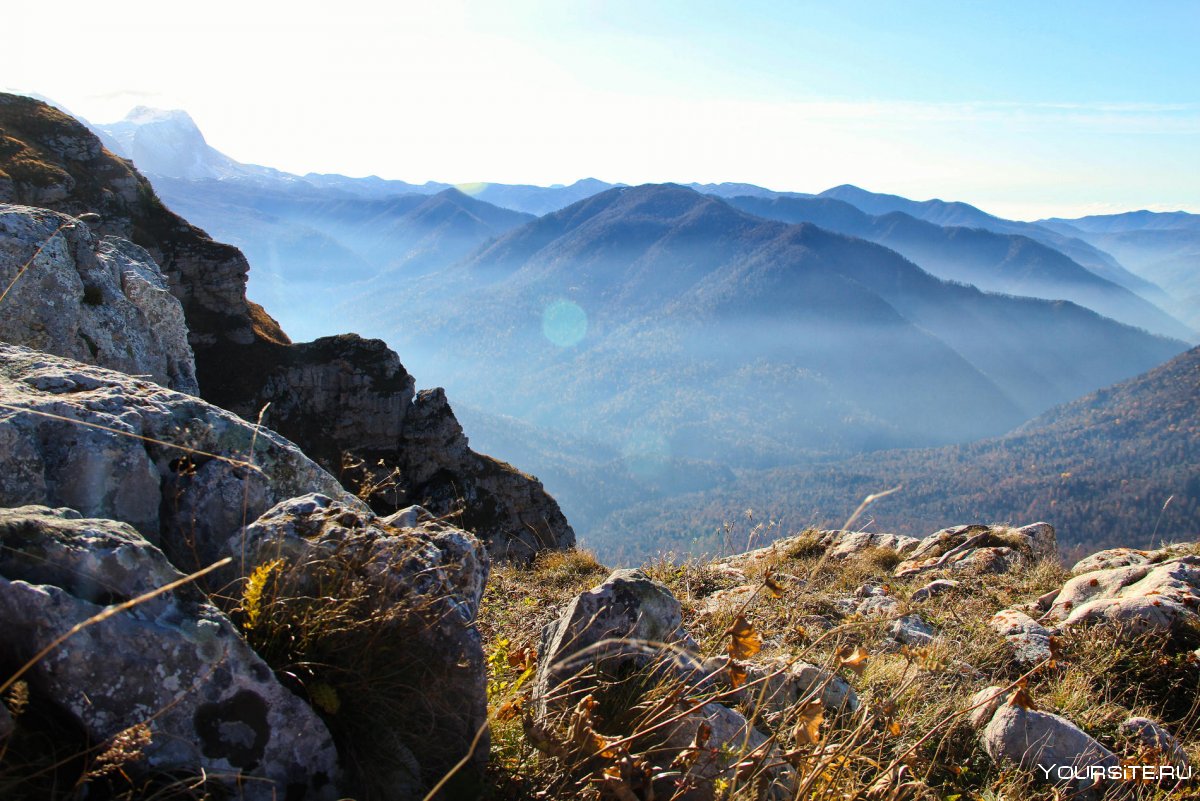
(184, 473)
(98, 300)
(337, 398)
(1140, 597)
(986, 549)
(174, 663)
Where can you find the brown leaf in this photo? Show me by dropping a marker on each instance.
(772, 586)
(523, 658)
(893, 728)
(808, 724)
(542, 739)
(744, 641)
(737, 674)
(1021, 698)
(853, 659)
(509, 709)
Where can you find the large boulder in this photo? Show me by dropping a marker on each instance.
(419, 587)
(1051, 748)
(182, 472)
(1125, 557)
(174, 662)
(103, 301)
(1142, 597)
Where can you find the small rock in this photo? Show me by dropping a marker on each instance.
(1053, 749)
(1151, 735)
(912, 630)
(1029, 639)
(933, 589)
(626, 622)
(1113, 557)
(732, 738)
(848, 544)
(983, 705)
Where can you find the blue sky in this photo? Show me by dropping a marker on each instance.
(1026, 109)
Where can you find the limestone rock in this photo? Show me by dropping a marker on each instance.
(1162, 596)
(778, 683)
(912, 630)
(100, 301)
(847, 544)
(1126, 557)
(732, 738)
(1044, 744)
(983, 705)
(101, 451)
(987, 549)
(424, 585)
(933, 589)
(1029, 639)
(174, 662)
(626, 622)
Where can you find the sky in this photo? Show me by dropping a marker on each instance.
(1026, 109)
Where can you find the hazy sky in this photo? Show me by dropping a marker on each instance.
(1023, 108)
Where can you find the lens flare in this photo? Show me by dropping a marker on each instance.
(564, 323)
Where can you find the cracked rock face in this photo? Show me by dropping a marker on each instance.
(174, 661)
(103, 301)
(94, 453)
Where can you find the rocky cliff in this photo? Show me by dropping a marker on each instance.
(346, 401)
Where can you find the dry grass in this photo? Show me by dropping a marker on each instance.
(909, 739)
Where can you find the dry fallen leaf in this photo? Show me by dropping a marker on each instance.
(744, 641)
(853, 659)
(808, 724)
(1021, 698)
(737, 674)
(772, 586)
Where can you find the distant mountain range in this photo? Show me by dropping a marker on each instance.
(718, 327)
(999, 262)
(632, 345)
(1164, 247)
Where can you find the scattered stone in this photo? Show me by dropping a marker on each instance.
(98, 301)
(1153, 737)
(848, 544)
(732, 738)
(933, 589)
(1144, 597)
(1029, 639)
(726, 601)
(174, 662)
(1051, 748)
(627, 622)
(912, 630)
(986, 549)
(983, 705)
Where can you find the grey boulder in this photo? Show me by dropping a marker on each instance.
(173, 662)
(1159, 597)
(423, 585)
(1050, 747)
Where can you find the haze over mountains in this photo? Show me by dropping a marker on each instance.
(631, 345)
